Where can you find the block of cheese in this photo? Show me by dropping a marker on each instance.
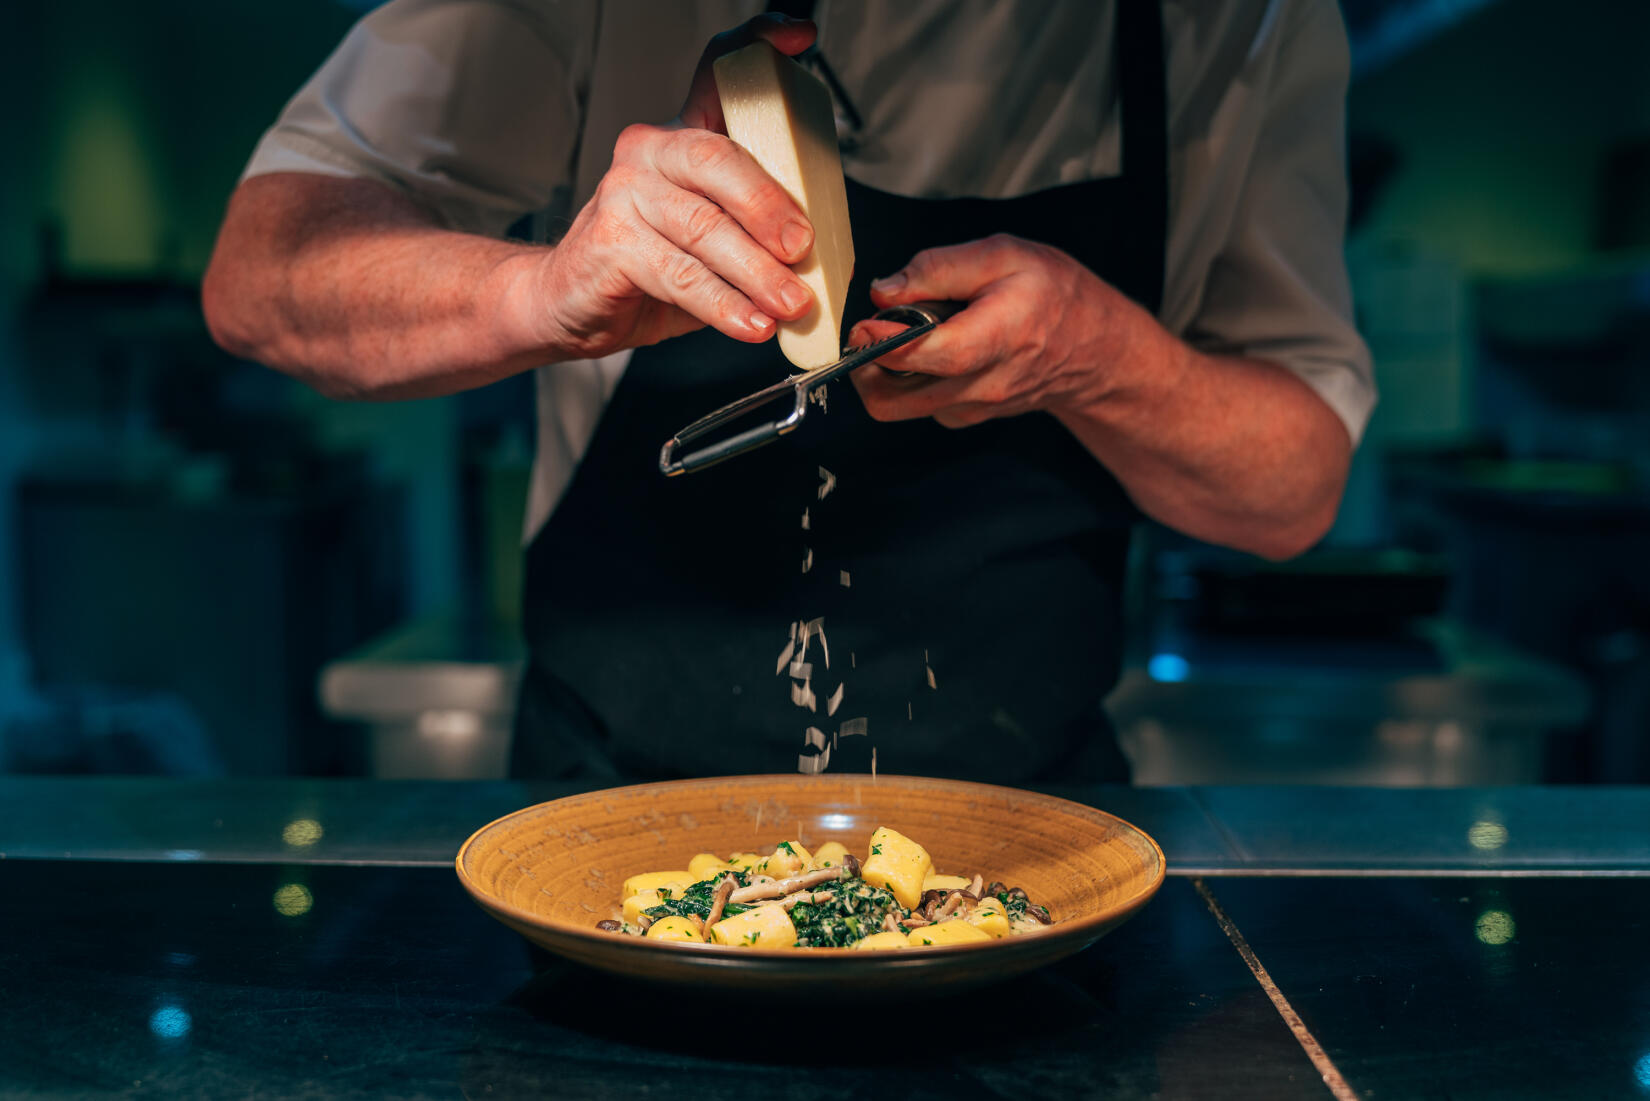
(781, 114)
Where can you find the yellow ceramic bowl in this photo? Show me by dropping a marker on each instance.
(552, 871)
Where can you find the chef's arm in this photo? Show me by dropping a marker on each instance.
(356, 288)
(1233, 451)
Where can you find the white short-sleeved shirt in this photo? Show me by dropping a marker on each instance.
(487, 110)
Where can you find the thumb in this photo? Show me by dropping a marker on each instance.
(703, 107)
(954, 273)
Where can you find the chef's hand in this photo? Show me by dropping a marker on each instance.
(1229, 449)
(684, 230)
(1039, 332)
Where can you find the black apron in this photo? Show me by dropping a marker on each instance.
(656, 609)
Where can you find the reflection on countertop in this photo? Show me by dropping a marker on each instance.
(1239, 830)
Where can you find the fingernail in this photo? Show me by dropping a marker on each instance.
(795, 238)
(759, 320)
(795, 295)
(890, 283)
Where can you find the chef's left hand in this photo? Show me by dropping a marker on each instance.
(1039, 332)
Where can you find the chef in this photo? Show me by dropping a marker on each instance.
(1139, 205)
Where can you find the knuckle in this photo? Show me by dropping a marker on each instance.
(683, 274)
(705, 151)
(701, 222)
(612, 225)
(764, 198)
(632, 139)
(922, 263)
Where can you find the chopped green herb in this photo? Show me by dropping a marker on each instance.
(876, 850)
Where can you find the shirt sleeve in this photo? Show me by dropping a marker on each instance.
(471, 106)
(1278, 289)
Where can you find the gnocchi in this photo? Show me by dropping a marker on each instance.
(891, 900)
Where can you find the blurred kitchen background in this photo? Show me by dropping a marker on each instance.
(209, 570)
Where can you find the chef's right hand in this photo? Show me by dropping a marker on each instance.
(684, 230)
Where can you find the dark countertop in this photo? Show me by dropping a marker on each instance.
(1204, 830)
(163, 938)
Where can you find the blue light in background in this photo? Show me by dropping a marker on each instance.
(1168, 667)
(1641, 1072)
(170, 1022)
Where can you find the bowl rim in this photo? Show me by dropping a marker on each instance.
(1097, 922)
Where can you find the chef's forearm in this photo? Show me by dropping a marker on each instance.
(1238, 452)
(359, 292)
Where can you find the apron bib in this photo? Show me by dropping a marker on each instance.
(656, 608)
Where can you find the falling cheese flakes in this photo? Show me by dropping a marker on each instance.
(931, 683)
(807, 559)
(836, 699)
(802, 670)
(786, 654)
(811, 628)
(827, 483)
(804, 521)
(842, 577)
(873, 763)
(856, 726)
(803, 696)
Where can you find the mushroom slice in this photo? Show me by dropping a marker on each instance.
(818, 898)
(976, 888)
(778, 888)
(950, 906)
(719, 900)
(927, 903)
(610, 926)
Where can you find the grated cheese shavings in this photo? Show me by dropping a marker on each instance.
(851, 727)
(805, 520)
(803, 696)
(836, 699)
(827, 483)
(842, 577)
(807, 559)
(812, 628)
(812, 764)
(908, 717)
(931, 683)
(802, 670)
(873, 763)
(786, 654)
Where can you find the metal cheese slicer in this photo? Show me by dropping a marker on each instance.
(798, 391)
